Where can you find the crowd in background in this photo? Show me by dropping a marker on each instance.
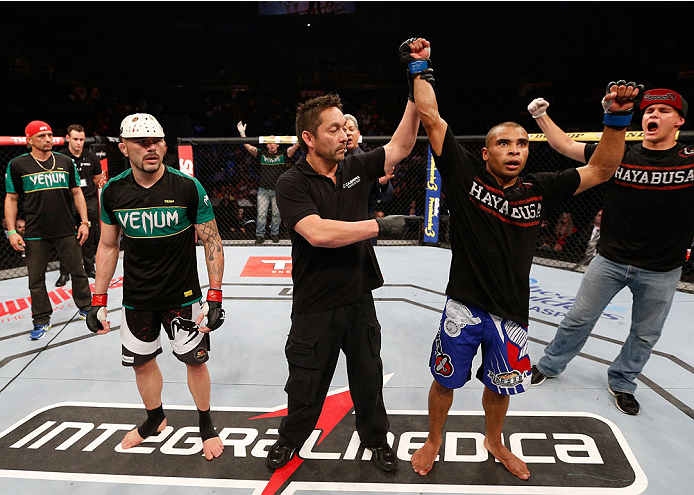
(205, 96)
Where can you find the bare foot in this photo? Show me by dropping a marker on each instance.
(212, 447)
(514, 465)
(423, 459)
(133, 438)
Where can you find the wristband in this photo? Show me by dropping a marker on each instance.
(617, 120)
(417, 66)
(214, 295)
(12, 232)
(99, 299)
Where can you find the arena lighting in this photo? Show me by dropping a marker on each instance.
(306, 8)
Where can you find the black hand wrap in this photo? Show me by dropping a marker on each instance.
(96, 312)
(394, 225)
(215, 312)
(622, 118)
(415, 67)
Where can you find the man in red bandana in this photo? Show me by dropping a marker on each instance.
(647, 226)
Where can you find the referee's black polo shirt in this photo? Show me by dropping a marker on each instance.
(326, 278)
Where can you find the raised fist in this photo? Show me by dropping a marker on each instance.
(622, 96)
(538, 107)
(619, 102)
(241, 127)
(413, 49)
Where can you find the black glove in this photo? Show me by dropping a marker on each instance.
(97, 313)
(213, 309)
(404, 52)
(415, 67)
(394, 225)
(621, 118)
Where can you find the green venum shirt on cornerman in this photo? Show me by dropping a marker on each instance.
(47, 196)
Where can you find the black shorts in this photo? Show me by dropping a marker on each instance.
(141, 331)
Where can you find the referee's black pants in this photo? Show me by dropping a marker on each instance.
(312, 351)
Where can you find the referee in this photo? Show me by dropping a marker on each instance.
(323, 201)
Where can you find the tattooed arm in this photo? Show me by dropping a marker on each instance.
(214, 252)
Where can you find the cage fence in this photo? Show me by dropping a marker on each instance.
(230, 176)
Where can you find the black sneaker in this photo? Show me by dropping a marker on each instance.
(538, 378)
(62, 280)
(275, 238)
(626, 402)
(259, 240)
(279, 455)
(384, 457)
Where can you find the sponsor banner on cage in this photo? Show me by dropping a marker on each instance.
(185, 159)
(267, 266)
(103, 161)
(277, 139)
(591, 136)
(21, 140)
(433, 201)
(566, 452)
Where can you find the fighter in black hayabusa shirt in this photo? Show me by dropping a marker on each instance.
(495, 220)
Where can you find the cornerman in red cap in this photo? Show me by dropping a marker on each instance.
(647, 226)
(50, 183)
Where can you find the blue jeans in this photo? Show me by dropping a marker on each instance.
(267, 197)
(652, 297)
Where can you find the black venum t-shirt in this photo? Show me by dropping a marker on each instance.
(271, 167)
(158, 224)
(47, 190)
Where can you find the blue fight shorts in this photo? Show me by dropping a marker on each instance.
(505, 365)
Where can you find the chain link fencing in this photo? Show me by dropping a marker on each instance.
(230, 174)
(13, 263)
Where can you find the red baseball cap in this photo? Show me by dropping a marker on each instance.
(36, 126)
(666, 96)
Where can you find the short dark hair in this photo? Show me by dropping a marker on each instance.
(308, 115)
(74, 127)
(494, 130)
